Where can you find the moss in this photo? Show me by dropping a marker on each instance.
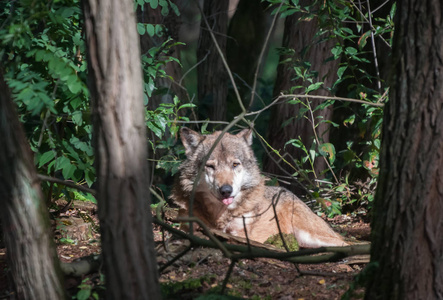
(290, 241)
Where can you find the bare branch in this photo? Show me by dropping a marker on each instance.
(67, 183)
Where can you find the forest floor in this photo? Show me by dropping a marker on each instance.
(202, 270)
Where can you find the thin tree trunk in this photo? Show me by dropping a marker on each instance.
(212, 75)
(121, 156)
(31, 252)
(300, 37)
(407, 225)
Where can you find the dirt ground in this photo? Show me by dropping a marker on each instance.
(202, 271)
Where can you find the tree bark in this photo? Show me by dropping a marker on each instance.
(300, 36)
(247, 31)
(168, 88)
(31, 253)
(212, 75)
(407, 226)
(121, 153)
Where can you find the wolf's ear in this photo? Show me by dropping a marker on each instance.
(247, 135)
(190, 139)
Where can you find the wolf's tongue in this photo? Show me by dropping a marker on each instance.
(228, 201)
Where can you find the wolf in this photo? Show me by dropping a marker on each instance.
(231, 194)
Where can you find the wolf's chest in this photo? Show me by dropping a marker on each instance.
(236, 225)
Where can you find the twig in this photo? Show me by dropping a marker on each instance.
(274, 204)
(225, 63)
(173, 260)
(228, 274)
(67, 183)
(200, 122)
(246, 231)
(380, 6)
(374, 51)
(326, 274)
(208, 233)
(265, 44)
(279, 98)
(279, 228)
(372, 28)
(282, 158)
(192, 68)
(318, 141)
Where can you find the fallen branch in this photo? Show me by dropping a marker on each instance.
(236, 252)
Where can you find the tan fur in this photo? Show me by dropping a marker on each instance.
(232, 165)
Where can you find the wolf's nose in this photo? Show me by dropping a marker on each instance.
(226, 190)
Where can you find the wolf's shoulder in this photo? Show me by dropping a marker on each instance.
(278, 191)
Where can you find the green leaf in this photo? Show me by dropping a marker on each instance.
(313, 87)
(341, 71)
(336, 51)
(363, 39)
(150, 29)
(84, 294)
(89, 177)
(68, 170)
(174, 8)
(157, 131)
(349, 121)
(159, 30)
(312, 154)
(187, 105)
(45, 158)
(141, 28)
(351, 51)
(153, 3)
(77, 117)
(296, 143)
(165, 11)
(74, 85)
(327, 150)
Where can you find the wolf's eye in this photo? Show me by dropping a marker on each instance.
(235, 165)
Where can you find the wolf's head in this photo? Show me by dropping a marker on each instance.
(231, 167)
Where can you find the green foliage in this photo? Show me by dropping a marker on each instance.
(42, 51)
(165, 5)
(354, 30)
(153, 66)
(88, 290)
(86, 197)
(67, 241)
(163, 121)
(173, 290)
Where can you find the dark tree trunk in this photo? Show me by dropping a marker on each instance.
(212, 75)
(300, 36)
(31, 253)
(166, 88)
(247, 31)
(407, 225)
(121, 156)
